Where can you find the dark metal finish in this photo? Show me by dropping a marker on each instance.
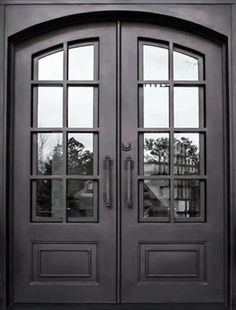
(231, 96)
(129, 167)
(141, 306)
(119, 163)
(3, 168)
(85, 270)
(154, 234)
(107, 168)
(198, 16)
(146, 242)
(121, 2)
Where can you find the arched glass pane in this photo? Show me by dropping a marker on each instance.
(81, 63)
(185, 67)
(155, 63)
(51, 67)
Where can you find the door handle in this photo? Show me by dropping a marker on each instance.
(107, 169)
(129, 167)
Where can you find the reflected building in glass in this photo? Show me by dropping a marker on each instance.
(156, 199)
(186, 161)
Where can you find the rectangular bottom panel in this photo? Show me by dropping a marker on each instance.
(171, 263)
(172, 272)
(64, 262)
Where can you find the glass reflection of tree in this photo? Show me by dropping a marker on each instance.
(186, 159)
(186, 162)
(80, 161)
(49, 202)
(187, 192)
(156, 153)
(49, 161)
(80, 193)
(186, 156)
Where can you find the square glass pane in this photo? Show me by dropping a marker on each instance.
(156, 199)
(187, 194)
(155, 63)
(80, 154)
(50, 107)
(186, 107)
(80, 198)
(185, 67)
(51, 67)
(49, 153)
(156, 153)
(49, 199)
(81, 63)
(80, 106)
(156, 105)
(186, 153)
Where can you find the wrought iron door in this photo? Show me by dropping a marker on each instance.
(151, 100)
(64, 223)
(173, 181)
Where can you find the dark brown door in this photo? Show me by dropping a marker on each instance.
(67, 226)
(173, 211)
(64, 137)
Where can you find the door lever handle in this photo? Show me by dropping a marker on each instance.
(107, 168)
(129, 167)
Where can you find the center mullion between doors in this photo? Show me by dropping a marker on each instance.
(118, 159)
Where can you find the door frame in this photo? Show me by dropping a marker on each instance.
(6, 133)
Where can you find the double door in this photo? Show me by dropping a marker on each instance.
(118, 172)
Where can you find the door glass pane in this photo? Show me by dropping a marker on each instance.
(49, 199)
(186, 107)
(80, 153)
(81, 63)
(156, 105)
(187, 198)
(186, 153)
(156, 154)
(50, 107)
(80, 198)
(185, 67)
(49, 153)
(51, 67)
(156, 198)
(80, 107)
(155, 63)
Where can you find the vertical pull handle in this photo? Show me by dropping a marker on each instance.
(107, 193)
(129, 167)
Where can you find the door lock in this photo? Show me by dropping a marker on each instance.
(126, 146)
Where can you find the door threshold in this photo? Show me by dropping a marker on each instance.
(129, 306)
